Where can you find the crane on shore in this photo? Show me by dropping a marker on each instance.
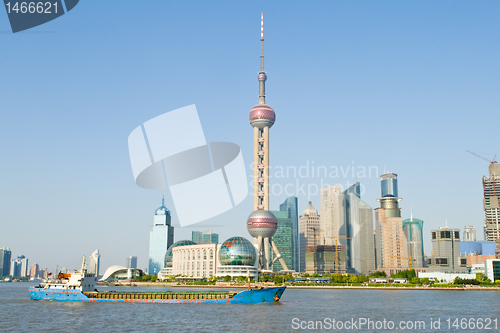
(410, 259)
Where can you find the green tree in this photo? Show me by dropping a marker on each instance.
(227, 278)
(353, 279)
(407, 274)
(378, 274)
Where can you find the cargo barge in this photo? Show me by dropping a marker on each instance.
(80, 287)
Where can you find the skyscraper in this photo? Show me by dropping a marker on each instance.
(332, 217)
(94, 262)
(132, 262)
(205, 237)
(356, 234)
(291, 207)
(262, 224)
(24, 266)
(491, 203)
(19, 266)
(34, 270)
(308, 230)
(160, 239)
(390, 240)
(5, 255)
(469, 233)
(284, 240)
(413, 230)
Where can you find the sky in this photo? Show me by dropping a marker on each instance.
(399, 86)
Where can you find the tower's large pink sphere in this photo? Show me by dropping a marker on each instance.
(262, 223)
(262, 115)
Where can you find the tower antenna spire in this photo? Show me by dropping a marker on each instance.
(163, 200)
(262, 74)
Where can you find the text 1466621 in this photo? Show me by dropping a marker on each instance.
(31, 7)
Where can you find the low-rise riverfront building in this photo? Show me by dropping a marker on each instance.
(237, 256)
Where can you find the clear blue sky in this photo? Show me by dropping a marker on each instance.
(405, 86)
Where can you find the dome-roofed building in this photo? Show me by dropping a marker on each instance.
(237, 251)
(237, 257)
(169, 256)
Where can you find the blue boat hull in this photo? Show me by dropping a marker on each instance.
(265, 295)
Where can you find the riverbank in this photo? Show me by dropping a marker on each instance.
(243, 286)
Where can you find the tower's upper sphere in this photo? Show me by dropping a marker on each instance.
(262, 115)
(262, 223)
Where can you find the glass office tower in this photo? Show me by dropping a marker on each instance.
(291, 207)
(413, 229)
(283, 239)
(160, 239)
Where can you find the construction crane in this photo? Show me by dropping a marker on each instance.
(410, 259)
(493, 161)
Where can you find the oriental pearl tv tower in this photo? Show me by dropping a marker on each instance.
(262, 224)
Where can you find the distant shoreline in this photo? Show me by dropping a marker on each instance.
(402, 287)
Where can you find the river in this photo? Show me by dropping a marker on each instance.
(299, 310)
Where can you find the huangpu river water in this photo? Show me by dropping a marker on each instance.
(298, 310)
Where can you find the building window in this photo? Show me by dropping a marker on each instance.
(463, 262)
(204, 255)
(457, 235)
(433, 235)
(441, 261)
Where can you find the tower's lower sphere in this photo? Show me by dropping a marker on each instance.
(262, 115)
(262, 223)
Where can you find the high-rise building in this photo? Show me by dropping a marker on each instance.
(262, 224)
(469, 233)
(19, 266)
(160, 239)
(491, 203)
(390, 240)
(323, 259)
(446, 251)
(308, 232)
(34, 270)
(205, 237)
(284, 240)
(332, 216)
(94, 262)
(291, 207)
(356, 234)
(24, 266)
(131, 262)
(413, 229)
(5, 256)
